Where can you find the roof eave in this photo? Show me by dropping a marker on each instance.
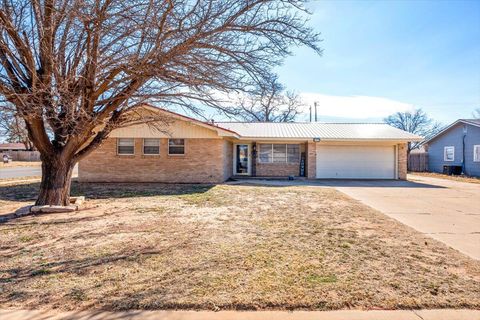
(449, 127)
(399, 140)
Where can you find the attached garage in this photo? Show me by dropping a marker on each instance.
(355, 162)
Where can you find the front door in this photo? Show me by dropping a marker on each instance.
(242, 159)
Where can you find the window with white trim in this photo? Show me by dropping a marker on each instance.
(151, 146)
(278, 153)
(476, 153)
(176, 147)
(125, 146)
(265, 153)
(449, 153)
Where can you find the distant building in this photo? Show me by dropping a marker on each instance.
(12, 147)
(456, 145)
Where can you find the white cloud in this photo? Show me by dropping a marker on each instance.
(361, 107)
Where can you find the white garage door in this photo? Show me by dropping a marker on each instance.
(355, 162)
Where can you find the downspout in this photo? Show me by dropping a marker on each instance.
(463, 153)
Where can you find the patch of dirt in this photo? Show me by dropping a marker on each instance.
(157, 246)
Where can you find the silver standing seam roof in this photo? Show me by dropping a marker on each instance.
(309, 130)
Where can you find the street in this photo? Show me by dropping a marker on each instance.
(21, 172)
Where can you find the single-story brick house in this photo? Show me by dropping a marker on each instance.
(192, 151)
(456, 145)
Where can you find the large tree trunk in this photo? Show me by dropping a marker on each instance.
(56, 180)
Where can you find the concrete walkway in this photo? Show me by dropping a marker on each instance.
(447, 314)
(446, 210)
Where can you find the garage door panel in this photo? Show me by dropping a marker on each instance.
(356, 162)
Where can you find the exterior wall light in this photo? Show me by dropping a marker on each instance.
(316, 139)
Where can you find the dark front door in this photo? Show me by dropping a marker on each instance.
(241, 159)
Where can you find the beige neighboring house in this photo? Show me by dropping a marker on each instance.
(193, 151)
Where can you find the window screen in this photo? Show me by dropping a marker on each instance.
(265, 153)
(151, 146)
(449, 154)
(126, 146)
(293, 153)
(476, 153)
(279, 153)
(176, 146)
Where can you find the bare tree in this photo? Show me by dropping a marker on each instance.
(81, 67)
(13, 128)
(416, 122)
(270, 102)
(476, 113)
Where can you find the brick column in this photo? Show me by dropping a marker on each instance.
(311, 158)
(402, 161)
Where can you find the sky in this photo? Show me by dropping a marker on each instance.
(380, 57)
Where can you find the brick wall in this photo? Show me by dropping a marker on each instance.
(402, 161)
(228, 159)
(278, 169)
(203, 162)
(311, 157)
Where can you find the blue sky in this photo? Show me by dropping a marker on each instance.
(384, 56)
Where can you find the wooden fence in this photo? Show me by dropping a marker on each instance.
(22, 155)
(418, 162)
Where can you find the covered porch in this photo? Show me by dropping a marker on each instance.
(279, 159)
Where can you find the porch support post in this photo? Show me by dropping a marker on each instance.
(254, 159)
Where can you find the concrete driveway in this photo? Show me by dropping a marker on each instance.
(446, 210)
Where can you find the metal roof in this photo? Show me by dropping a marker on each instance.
(327, 131)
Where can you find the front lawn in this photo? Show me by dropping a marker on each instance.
(448, 177)
(155, 246)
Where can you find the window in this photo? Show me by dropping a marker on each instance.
(476, 153)
(126, 146)
(449, 153)
(265, 153)
(279, 153)
(293, 153)
(151, 146)
(176, 146)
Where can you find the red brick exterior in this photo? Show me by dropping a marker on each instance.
(311, 155)
(402, 161)
(278, 169)
(205, 161)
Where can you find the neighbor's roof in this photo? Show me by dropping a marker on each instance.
(12, 146)
(473, 122)
(326, 131)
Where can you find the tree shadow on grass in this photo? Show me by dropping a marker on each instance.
(29, 191)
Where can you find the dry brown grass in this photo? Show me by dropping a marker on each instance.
(14, 164)
(445, 176)
(154, 246)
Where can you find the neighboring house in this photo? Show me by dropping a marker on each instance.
(4, 147)
(458, 145)
(199, 152)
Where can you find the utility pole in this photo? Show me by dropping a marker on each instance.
(315, 104)
(310, 113)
